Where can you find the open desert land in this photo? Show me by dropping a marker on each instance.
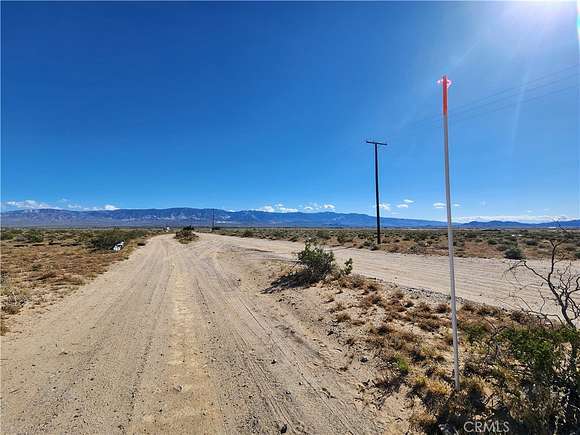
(198, 338)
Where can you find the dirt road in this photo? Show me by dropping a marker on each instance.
(480, 280)
(181, 339)
(177, 339)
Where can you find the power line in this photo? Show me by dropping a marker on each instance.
(506, 106)
(476, 102)
(457, 111)
(524, 85)
(465, 115)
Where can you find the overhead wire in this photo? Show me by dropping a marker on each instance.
(478, 103)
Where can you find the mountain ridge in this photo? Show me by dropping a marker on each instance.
(181, 216)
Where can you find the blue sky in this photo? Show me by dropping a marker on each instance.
(267, 106)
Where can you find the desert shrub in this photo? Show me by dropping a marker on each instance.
(322, 234)
(278, 234)
(339, 306)
(9, 234)
(105, 240)
(133, 234)
(531, 242)
(10, 308)
(513, 253)
(317, 262)
(526, 376)
(343, 238)
(347, 269)
(248, 233)
(401, 363)
(33, 236)
(186, 235)
(372, 299)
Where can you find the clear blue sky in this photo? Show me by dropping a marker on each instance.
(253, 105)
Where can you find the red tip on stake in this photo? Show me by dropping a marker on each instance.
(446, 83)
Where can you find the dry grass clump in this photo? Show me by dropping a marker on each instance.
(339, 306)
(342, 317)
(355, 281)
(13, 298)
(372, 299)
(427, 318)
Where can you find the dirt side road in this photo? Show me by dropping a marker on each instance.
(480, 280)
(177, 339)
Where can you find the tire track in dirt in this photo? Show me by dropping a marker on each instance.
(169, 342)
(288, 390)
(67, 398)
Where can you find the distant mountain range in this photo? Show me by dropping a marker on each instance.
(179, 217)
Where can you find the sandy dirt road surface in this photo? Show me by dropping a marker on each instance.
(177, 339)
(481, 280)
(182, 339)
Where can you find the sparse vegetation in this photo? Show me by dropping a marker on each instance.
(519, 367)
(107, 239)
(33, 236)
(40, 266)
(492, 243)
(513, 253)
(248, 233)
(186, 235)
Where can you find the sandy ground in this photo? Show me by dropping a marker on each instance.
(182, 339)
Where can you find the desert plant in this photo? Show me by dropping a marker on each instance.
(34, 236)
(317, 262)
(186, 235)
(343, 238)
(347, 269)
(513, 253)
(533, 374)
(323, 234)
(105, 240)
(248, 233)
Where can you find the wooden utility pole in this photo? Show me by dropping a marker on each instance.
(376, 144)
